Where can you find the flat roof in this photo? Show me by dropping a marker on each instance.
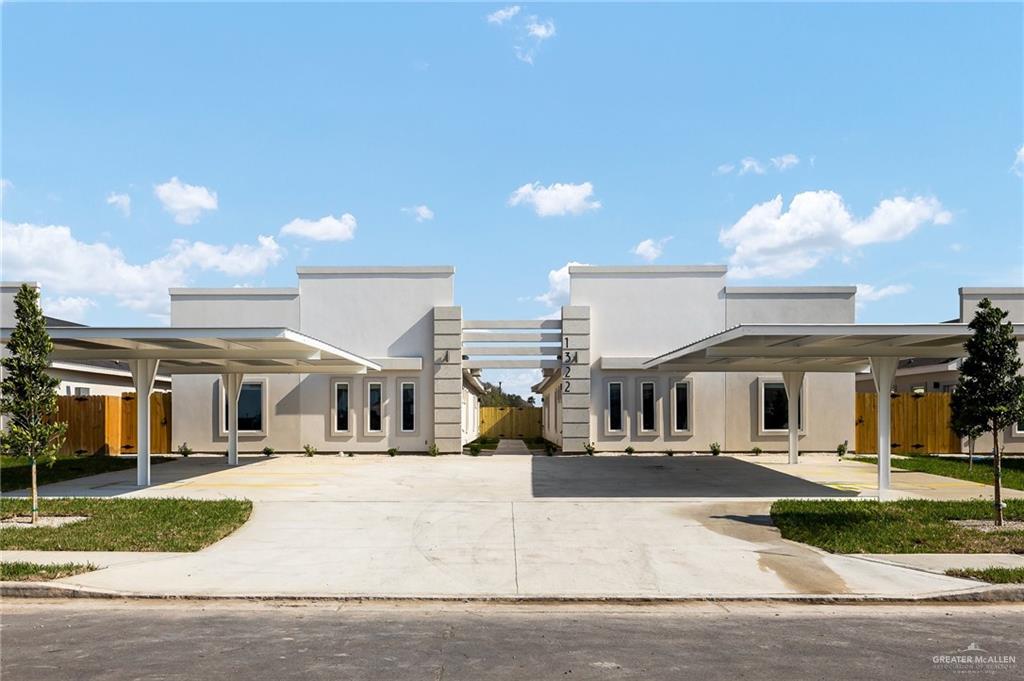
(759, 290)
(234, 291)
(816, 347)
(202, 350)
(648, 269)
(442, 269)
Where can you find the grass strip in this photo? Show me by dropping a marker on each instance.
(992, 575)
(16, 472)
(17, 571)
(954, 467)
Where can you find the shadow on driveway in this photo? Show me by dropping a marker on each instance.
(645, 476)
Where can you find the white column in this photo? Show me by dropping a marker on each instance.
(143, 375)
(794, 381)
(883, 370)
(232, 384)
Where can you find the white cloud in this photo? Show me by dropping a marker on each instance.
(51, 255)
(770, 242)
(421, 212)
(724, 169)
(558, 286)
(866, 293)
(502, 15)
(751, 165)
(556, 199)
(1018, 162)
(515, 381)
(186, 202)
(327, 228)
(649, 249)
(69, 308)
(122, 202)
(541, 30)
(785, 162)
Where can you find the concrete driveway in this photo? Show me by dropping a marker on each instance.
(495, 526)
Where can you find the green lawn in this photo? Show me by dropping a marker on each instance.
(952, 467)
(37, 572)
(126, 524)
(993, 575)
(906, 526)
(16, 472)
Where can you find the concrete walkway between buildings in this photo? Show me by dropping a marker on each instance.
(496, 527)
(511, 447)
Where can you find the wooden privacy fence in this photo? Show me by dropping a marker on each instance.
(920, 424)
(105, 424)
(510, 421)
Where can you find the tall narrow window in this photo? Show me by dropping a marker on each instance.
(775, 407)
(250, 408)
(341, 407)
(408, 407)
(646, 406)
(374, 413)
(615, 407)
(682, 407)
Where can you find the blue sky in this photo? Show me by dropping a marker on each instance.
(154, 145)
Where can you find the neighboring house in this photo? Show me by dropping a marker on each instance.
(919, 376)
(636, 313)
(80, 378)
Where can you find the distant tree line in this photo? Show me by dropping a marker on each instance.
(494, 396)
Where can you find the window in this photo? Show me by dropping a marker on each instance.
(646, 407)
(341, 407)
(775, 407)
(615, 407)
(408, 407)
(81, 392)
(1018, 429)
(251, 406)
(374, 410)
(681, 407)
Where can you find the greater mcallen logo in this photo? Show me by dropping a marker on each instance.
(974, 660)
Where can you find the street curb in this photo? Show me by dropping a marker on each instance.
(999, 593)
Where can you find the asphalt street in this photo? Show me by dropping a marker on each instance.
(80, 640)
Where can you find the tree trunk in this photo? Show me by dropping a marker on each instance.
(35, 495)
(997, 476)
(970, 454)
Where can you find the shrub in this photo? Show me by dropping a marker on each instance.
(348, 453)
(715, 448)
(841, 449)
(549, 448)
(589, 447)
(268, 451)
(669, 452)
(433, 451)
(630, 450)
(756, 451)
(310, 450)
(474, 448)
(393, 451)
(184, 449)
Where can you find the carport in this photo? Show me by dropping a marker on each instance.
(230, 352)
(795, 349)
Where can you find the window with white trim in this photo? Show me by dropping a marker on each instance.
(648, 398)
(774, 408)
(408, 417)
(614, 422)
(342, 409)
(682, 404)
(374, 407)
(252, 405)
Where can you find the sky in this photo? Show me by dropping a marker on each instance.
(154, 145)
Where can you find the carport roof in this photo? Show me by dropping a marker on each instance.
(815, 347)
(190, 350)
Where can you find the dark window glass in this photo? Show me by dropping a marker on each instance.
(614, 406)
(250, 407)
(682, 406)
(647, 406)
(341, 407)
(408, 406)
(375, 407)
(776, 408)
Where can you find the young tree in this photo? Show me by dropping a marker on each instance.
(989, 395)
(28, 395)
(965, 423)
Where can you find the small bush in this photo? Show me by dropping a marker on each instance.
(841, 449)
(433, 451)
(756, 451)
(268, 451)
(549, 448)
(184, 449)
(393, 451)
(715, 448)
(589, 447)
(669, 452)
(310, 450)
(349, 453)
(630, 450)
(474, 448)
